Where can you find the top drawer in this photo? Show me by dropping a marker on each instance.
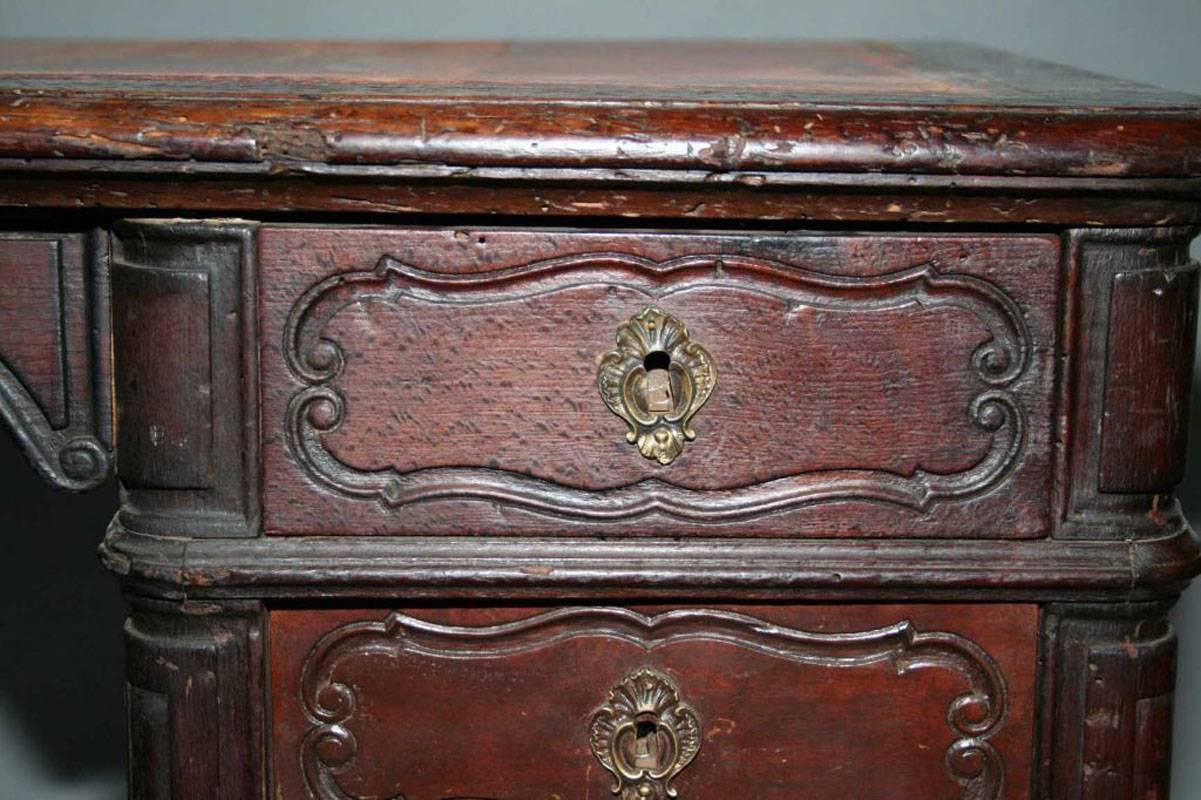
(420, 381)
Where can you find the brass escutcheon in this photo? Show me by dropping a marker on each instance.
(644, 735)
(656, 380)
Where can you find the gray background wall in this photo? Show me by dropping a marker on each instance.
(60, 684)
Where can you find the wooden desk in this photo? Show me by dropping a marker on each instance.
(530, 421)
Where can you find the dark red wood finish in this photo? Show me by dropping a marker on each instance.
(36, 357)
(851, 394)
(717, 106)
(614, 196)
(55, 353)
(850, 132)
(490, 703)
(1144, 372)
(354, 371)
(188, 454)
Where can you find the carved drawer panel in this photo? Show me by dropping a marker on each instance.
(458, 381)
(901, 702)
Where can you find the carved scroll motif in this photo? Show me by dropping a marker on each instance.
(330, 748)
(319, 408)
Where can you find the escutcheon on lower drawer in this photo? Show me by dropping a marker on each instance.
(425, 381)
(774, 703)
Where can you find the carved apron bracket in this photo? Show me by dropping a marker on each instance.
(55, 363)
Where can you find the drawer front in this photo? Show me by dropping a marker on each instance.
(458, 381)
(901, 702)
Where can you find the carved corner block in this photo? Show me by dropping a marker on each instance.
(1111, 674)
(194, 689)
(1131, 325)
(186, 376)
(54, 354)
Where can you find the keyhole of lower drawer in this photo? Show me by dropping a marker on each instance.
(659, 399)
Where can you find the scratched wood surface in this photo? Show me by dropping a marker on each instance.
(854, 107)
(774, 724)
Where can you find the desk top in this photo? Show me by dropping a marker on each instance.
(932, 107)
(918, 73)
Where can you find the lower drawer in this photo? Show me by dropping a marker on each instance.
(763, 702)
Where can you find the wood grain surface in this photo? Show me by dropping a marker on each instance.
(853, 107)
(31, 304)
(381, 536)
(55, 354)
(458, 392)
(492, 703)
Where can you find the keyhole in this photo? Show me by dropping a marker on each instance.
(656, 359)
(659, 398)
(646, 744)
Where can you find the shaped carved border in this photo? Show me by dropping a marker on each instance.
(319, 407)
(974, 717)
